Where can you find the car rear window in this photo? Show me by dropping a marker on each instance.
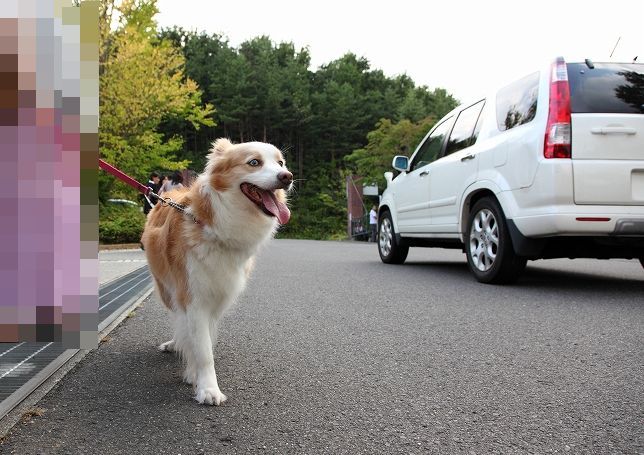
(516, 103)
(608, 88)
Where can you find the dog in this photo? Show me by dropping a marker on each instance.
(202, 257)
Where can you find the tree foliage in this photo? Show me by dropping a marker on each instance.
(142, 85)
(386, 141)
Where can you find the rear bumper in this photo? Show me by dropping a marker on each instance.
(547, 208)
(606, 222)
(617, 238)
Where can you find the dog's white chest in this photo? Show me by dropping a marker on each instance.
(216, 278)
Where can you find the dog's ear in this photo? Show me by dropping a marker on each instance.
(219, 147)
(217, 152)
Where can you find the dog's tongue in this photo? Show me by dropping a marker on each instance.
(277, 208)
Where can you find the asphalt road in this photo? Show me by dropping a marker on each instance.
(331, 351)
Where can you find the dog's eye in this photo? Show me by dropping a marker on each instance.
(281, 163)
(253, 162)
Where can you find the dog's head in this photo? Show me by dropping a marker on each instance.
(255, 169)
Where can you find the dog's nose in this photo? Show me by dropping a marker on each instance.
(285, 177)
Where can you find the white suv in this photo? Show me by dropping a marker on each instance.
(549, 166)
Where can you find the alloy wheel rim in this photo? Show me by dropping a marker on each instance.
(484, 240)
(385, 237)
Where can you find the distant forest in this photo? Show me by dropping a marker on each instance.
(343, 118)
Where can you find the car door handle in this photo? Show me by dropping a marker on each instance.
(467, 157)
(613, 130)
(423, 174)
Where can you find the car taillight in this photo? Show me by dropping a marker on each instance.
(558, 134)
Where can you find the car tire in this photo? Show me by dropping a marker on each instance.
(391, 252)
(488, 245)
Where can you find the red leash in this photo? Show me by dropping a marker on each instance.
(146, 190)
(125, 178)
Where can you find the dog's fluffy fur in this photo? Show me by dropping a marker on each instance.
(200, 268)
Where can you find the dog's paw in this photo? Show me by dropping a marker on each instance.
(210, 395)
(168, 346)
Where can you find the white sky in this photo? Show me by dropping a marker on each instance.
(464, 46)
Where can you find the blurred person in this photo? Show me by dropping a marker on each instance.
(154, 183)
(175, 182)
(373, 223)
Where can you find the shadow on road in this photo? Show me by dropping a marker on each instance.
(538, 278)
(566, 280)
(447, 266)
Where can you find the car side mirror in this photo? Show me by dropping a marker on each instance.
(400, 163)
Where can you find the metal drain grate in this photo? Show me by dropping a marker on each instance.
(22, 362)
(112, 296)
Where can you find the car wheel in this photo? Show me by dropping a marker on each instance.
(390, 251)
(488, 245)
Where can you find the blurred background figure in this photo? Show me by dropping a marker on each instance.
(154, 182)
(175, 182)
(373, 223)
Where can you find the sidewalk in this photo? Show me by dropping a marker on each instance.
(118, 261)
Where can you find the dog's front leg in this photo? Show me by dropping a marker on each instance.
(201, 360)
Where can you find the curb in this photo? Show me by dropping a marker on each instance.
(120, 246)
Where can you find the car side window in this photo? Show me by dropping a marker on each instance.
(431, 148)
(464, 132)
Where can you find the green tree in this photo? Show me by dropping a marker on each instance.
(261, 90)
(318, 208)
(142, 84)
(386, 141)
(419, 102)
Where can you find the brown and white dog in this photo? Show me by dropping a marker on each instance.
(200, 267)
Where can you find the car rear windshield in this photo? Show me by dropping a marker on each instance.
(608, 88)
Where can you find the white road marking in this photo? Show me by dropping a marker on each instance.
(138, 275)
(124, 292)
(18, 364)
(11, 349)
